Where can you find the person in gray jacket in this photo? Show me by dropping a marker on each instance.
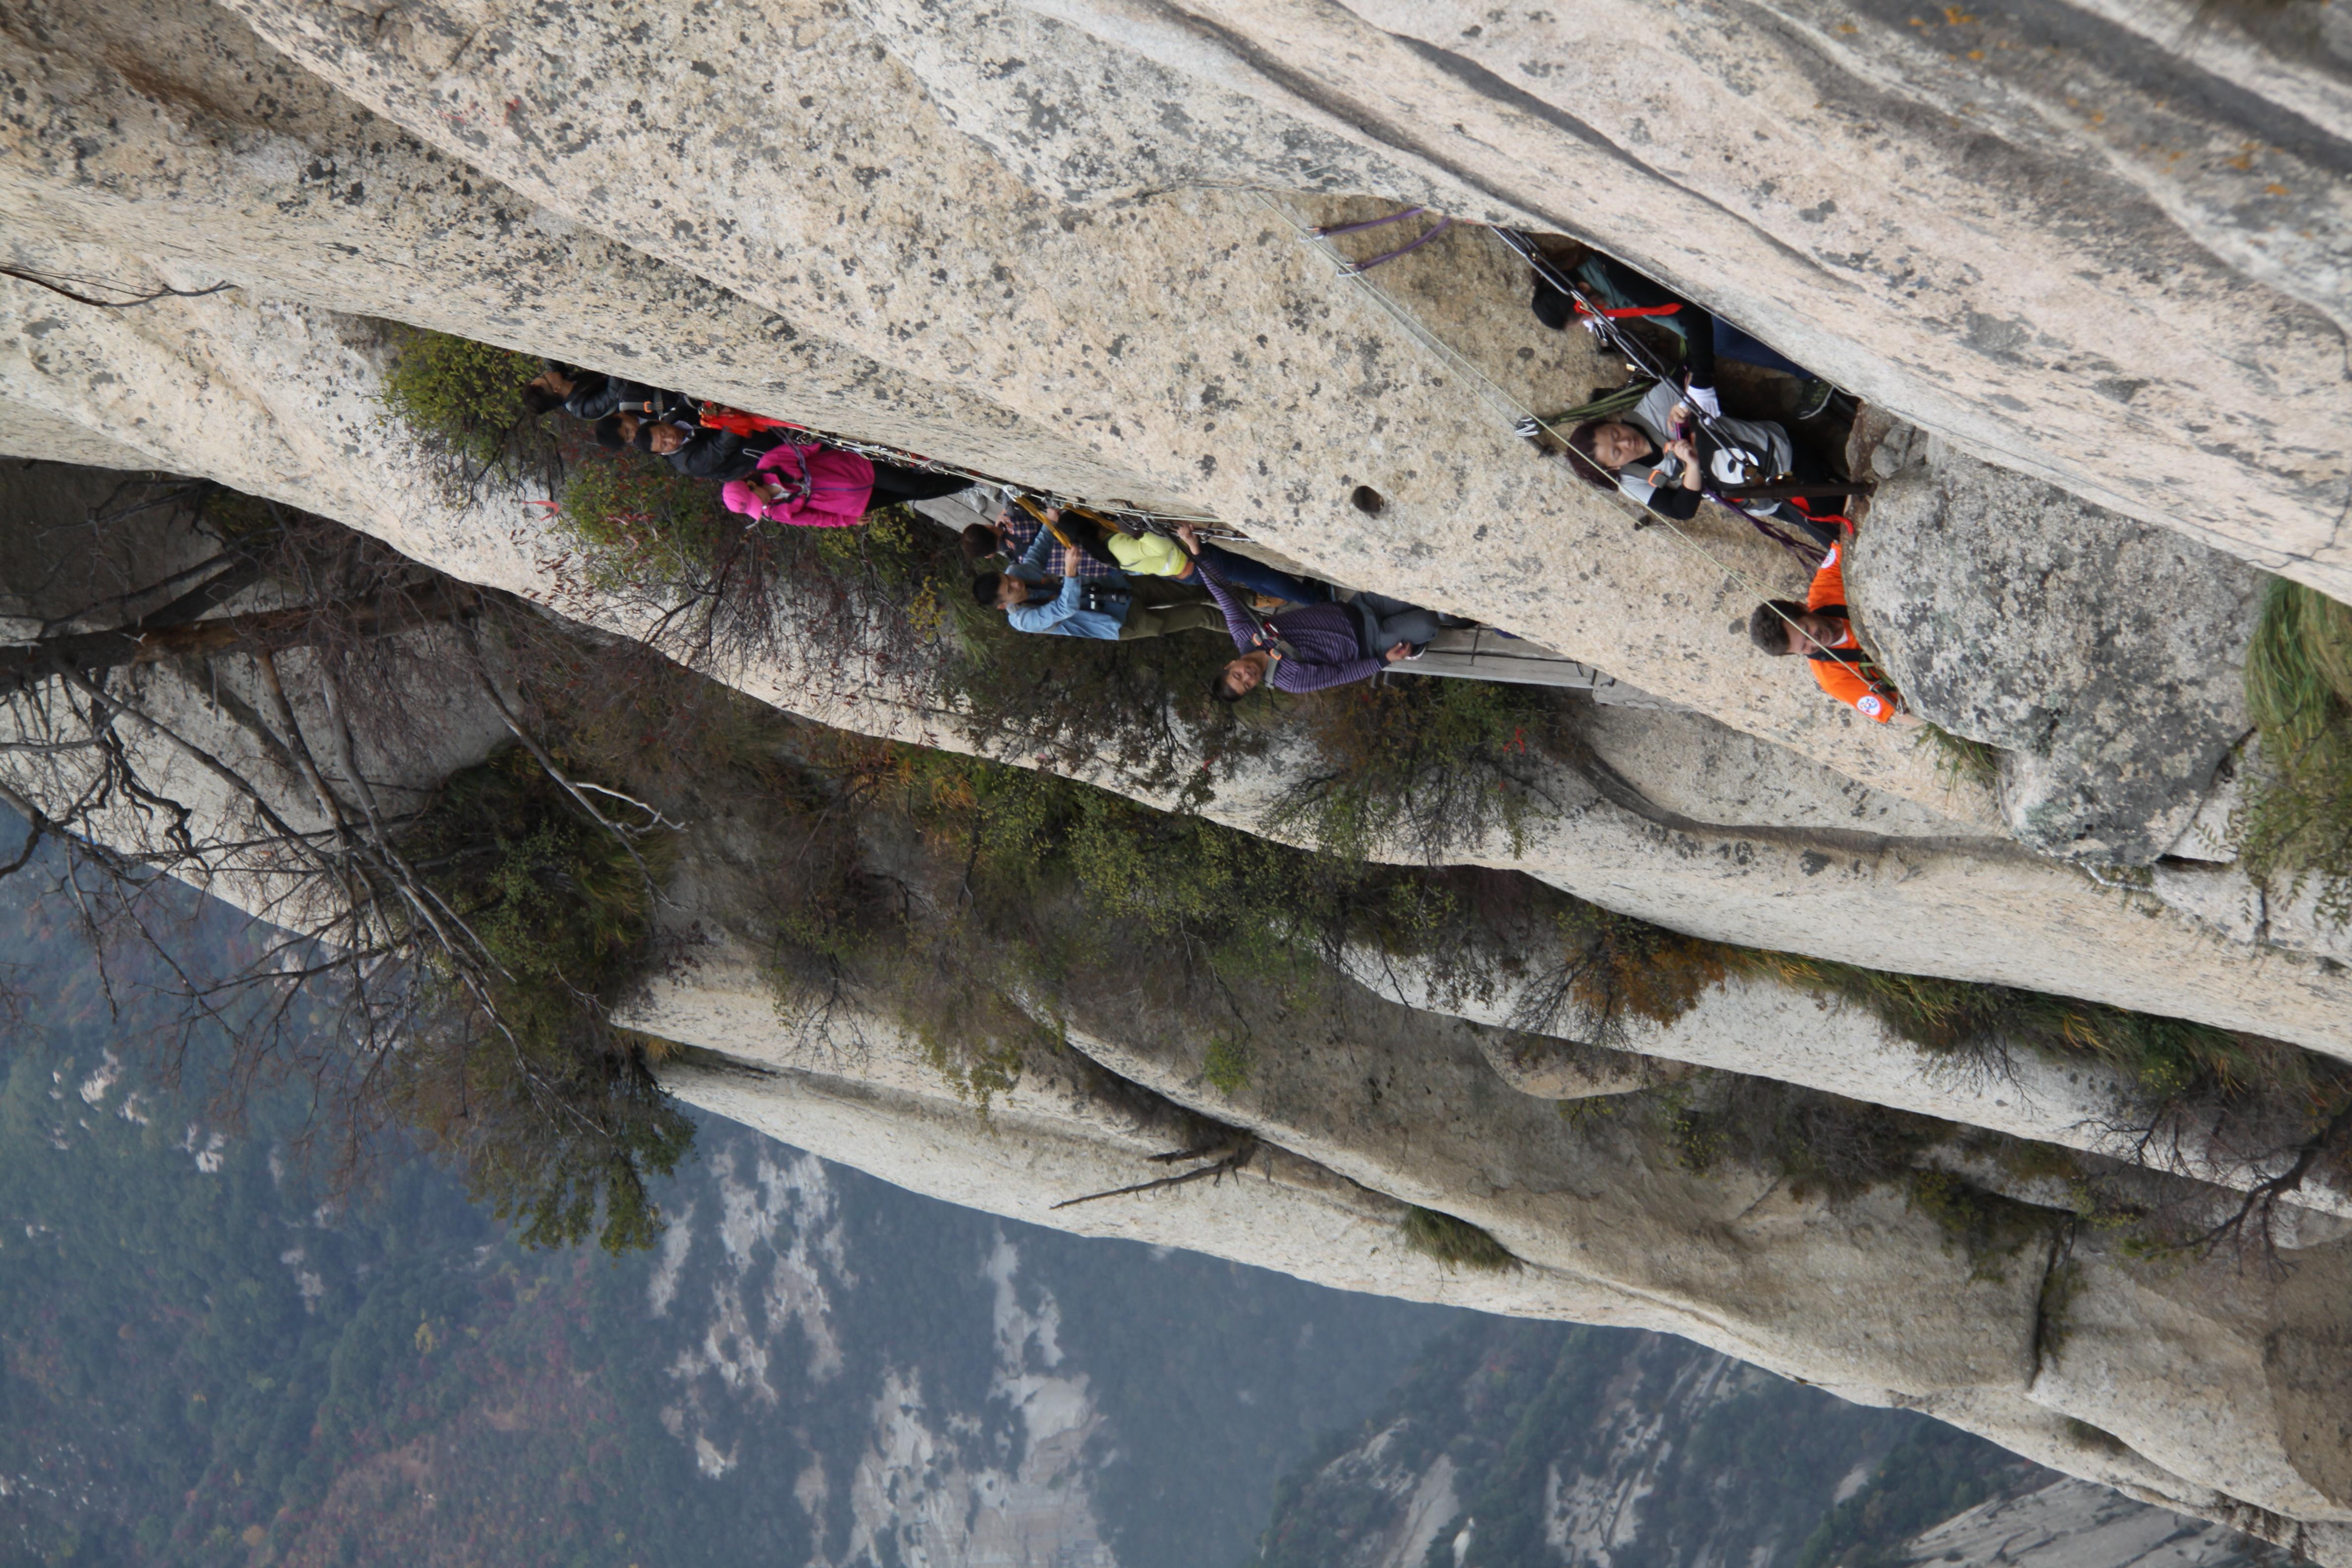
(1662, 456)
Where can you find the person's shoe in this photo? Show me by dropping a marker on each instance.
(1814, 399)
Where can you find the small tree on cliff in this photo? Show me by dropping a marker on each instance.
(447, 962)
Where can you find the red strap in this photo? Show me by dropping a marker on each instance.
(717, 416)
(1845, 524)
(1632, 310)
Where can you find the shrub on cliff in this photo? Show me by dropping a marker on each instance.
(1420, 765)
(1456, 1243)
(462, 401)
(638, 519)
(2295, 820)
(519, 1072)
(1609, 970)
(2168, 1059)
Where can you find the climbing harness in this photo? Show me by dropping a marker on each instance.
(804, 486)
(1496, 393)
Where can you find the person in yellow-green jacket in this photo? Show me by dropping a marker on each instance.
(1157, 555)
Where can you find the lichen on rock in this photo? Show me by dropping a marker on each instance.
(2103, 657)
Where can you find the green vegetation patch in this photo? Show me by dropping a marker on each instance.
(1010, 889)
(1959, 760)
(553, 1112)
(636, 517)
(1226, 1066)
(2295, 818)
(463, 402)
(1456, 1243)
(1816, 1143)
(1989, 1229)
(2054, 1320)
(2168, 1059)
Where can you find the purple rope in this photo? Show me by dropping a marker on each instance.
(1374, 222)
(1812, 555)
(1360, 268)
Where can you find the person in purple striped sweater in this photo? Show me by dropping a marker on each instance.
(1315, 647)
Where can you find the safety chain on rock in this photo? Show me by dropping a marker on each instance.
(1639, 516)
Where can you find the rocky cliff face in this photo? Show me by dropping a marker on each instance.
(2095, 261)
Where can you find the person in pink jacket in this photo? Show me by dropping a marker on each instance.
(817, 486)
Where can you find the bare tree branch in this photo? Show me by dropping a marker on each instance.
(151, 642)
(1215, 1171)
(539, 754)
(55, 287)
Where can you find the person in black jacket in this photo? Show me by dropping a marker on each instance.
(1617, 287)
(578, 393)
(700, 453)
(592, 396)
(633, 398)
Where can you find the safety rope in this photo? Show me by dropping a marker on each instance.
(1639, 516)
(1443, 224)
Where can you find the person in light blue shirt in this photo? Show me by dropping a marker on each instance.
(1070, 607)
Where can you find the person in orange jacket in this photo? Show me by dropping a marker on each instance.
(1820, 629)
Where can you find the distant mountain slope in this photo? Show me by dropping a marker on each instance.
(2074, 1524)
(205, 1358)
(1519, 1444)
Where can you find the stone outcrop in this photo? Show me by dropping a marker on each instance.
(1608, 1235)
(1764, 1028)
(1903, 206)
(2105, 657)
(1114, 351)
(299, 384)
